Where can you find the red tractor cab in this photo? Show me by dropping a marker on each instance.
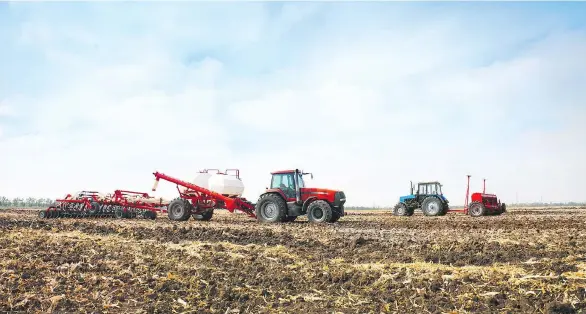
(483, 204)
(287, 198)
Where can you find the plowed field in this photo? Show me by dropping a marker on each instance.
(368, 262)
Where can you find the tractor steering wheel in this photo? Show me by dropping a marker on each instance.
(285, 189)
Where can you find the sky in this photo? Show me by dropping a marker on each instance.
(366, 96)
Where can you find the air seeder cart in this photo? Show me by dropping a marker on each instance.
(285, 200)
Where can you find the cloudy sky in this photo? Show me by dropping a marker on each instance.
(367, 96)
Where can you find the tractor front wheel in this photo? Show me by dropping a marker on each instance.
(402, 210)
(179, 210)
(477, 209)
(319, 212)
(432, 206)
(271, 208)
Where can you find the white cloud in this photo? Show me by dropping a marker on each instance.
(369, 107)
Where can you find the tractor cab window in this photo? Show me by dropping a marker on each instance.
(422, 189)
(285, 182)
(431, 189)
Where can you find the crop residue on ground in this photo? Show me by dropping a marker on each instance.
(368, 262)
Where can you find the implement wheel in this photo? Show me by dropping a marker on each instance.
(179, 210)
(119, 213)
(271, 208)
(476, 209)
(205, 216)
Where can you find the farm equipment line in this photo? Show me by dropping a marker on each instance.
(285, 200)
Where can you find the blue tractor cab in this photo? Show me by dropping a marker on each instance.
(428, 197)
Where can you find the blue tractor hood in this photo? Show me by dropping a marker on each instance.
(405, 198)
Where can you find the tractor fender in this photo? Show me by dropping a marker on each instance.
(306, 204)
(273, 191)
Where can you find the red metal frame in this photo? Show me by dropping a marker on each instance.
(202, 198)
(118, 198)
(490, 201)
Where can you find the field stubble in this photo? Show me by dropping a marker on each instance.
(530, 261)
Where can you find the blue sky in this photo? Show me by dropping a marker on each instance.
(366, 95)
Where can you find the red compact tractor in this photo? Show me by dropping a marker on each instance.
(483, 204)
(285, 200)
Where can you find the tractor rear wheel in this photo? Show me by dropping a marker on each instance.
(401, 210)
(179, 210)
(205, 216)
(319, 212)
(432, 206)
(477, 209)
(271, 208)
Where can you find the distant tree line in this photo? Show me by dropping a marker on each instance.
(30, 202)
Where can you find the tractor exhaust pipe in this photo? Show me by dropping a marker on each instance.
(483, 186)
(297, 190)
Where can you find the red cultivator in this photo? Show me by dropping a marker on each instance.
(120, 204)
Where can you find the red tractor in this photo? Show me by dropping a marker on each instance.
(288, 198)
(483, 204)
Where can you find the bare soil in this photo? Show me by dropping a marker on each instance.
(526, 261)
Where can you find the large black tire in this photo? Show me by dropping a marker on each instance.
(179, 210)
(319, 212)
(432, 206)
(271, 208)
(401, 210)
(476, 209)
(335, 217)
(43, 214)
(205, 216)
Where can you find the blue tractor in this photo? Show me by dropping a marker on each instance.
(428, 197)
